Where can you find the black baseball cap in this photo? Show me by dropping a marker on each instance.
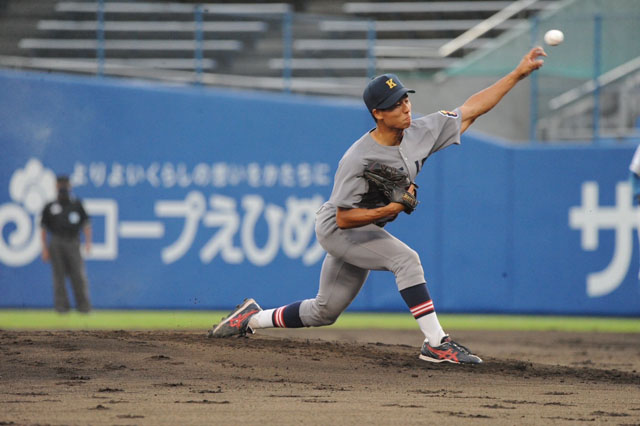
(384, 91)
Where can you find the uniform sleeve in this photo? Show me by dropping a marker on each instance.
(84, 217)
(446, 129)
(441, 129)
(45, 220)
(349, 185)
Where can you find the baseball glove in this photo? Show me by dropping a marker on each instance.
(393, 184)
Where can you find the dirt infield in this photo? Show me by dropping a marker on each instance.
(318, 376)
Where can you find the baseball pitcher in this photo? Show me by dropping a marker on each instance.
(374, 183)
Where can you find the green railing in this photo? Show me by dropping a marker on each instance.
(583, 81)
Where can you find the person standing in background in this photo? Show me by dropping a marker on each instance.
(634, 179)
(62, 220)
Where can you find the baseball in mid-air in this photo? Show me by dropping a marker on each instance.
(553, 37)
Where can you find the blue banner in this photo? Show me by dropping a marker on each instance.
(201, 197)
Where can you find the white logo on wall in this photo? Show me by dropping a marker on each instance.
(30, 189)
(290, 228)
(590, 218)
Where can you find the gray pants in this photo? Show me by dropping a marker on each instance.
(67, 261)
(351, 254)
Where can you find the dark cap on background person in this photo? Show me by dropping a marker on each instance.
(384, 91)
(64, 188)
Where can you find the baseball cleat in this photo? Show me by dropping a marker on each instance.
(448, 351)
(237, 322)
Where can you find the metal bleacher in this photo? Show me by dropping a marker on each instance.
(242, 43)
(415, 37)
(572, 111)
(141, 38)
(441, 23)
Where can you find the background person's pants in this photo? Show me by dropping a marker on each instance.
(66, 260)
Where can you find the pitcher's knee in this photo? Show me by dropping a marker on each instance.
(326, 316)
(319, 315)
(412, 257)
(408, 269)
(321, 322)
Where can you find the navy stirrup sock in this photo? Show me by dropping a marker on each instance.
(418, 300)
(288, 316)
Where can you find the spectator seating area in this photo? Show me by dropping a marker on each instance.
(572, 111)
(333, 44)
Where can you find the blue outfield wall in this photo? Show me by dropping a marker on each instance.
(202, 197)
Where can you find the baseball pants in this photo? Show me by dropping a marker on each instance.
(351, 254)
(66, 260)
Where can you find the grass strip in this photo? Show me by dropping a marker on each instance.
(34, 319)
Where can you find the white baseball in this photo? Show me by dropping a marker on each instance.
(553, 37)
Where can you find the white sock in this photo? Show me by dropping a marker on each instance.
(262, 319)
(431, 329)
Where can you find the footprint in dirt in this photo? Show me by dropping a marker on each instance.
(99, 407)
(606, 414)
(110, 390)
(111, 366)
(159, 357)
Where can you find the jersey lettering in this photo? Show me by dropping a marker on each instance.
(419, 164)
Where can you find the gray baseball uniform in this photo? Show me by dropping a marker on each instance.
(352, 253)
(355, 249)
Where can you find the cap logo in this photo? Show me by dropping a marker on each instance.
(391, 83)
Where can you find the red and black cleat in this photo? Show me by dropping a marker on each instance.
(237, 322)
(448, 351)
